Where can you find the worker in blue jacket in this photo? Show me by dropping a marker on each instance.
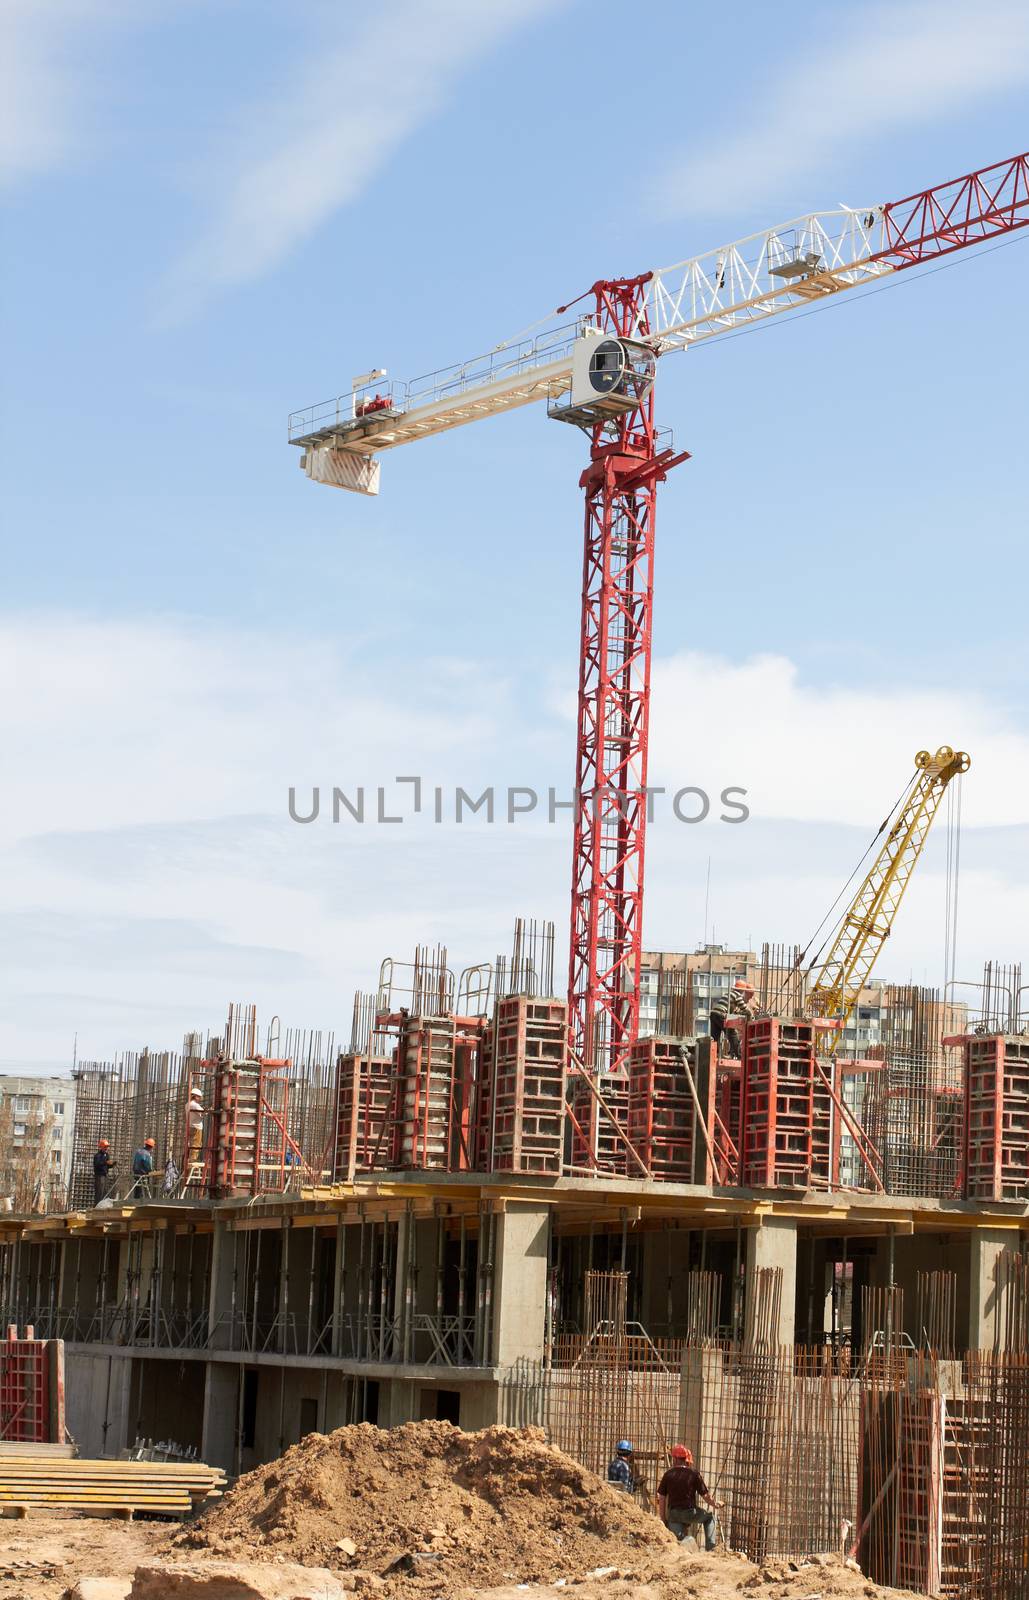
(619, 1471)
(143, 1172)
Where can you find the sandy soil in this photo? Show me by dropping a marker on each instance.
(47, 1552)
(64, 1547)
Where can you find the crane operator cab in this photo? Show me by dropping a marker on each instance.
(610, 376)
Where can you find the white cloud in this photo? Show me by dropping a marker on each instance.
(888, 67)
(151, 874)
(44, 88)
(371, 76)
(827, 752)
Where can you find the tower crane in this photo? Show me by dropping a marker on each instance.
(867, 922)
(597, 372)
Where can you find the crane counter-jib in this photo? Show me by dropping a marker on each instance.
(393, 424)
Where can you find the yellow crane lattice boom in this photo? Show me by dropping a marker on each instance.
(867, 923)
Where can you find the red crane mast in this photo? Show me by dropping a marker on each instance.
(598, 372)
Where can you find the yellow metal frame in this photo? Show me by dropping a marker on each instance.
(868, 922)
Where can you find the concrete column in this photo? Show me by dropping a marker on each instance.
(482, 1406)
(520, 1283)
(221, 1406)
(701, 1417)
(220, 1301)
(774, 1244)
(986, 1296)
(398, 1402)
(338, 1280)
(405, 1280)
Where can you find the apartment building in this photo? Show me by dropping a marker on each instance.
(37, 1119)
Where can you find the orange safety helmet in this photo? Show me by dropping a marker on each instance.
(680, 1453)
(103, 1145)
(149, 1143)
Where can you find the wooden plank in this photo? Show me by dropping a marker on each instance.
(20, 1449)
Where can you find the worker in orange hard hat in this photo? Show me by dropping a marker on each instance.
(738, 1002)
(103, 1166)
(677, 1498)
(143, 1172)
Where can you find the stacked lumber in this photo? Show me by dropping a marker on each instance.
(169, 1488)
(22, 1447)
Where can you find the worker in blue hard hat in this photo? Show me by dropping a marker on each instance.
(620, 1474)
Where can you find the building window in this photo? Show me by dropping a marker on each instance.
(58, 1108)
(19, 1130)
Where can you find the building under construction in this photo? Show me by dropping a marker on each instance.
(810, 1266)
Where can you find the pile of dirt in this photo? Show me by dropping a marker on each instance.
(451, 1508)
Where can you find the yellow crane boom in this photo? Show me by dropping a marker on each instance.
(868, 921)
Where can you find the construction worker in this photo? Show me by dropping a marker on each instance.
(677, 1498)
(142, 1172)
(737, 1002)
(195, 1126)
(619, 1469)
(103, 1166)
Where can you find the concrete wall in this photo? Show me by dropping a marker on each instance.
(97, 1402)
(281, 1408)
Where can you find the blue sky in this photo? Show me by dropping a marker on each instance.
(215, 212)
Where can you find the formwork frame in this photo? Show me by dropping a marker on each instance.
(435, 1092)
(523, 1098)
(364, 1095)
(597, 1111)
(672, 1115)
(786, 1108)
(995, 1157)
(31, 1389)
(246, 1147)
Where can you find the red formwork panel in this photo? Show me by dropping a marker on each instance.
(522, 1107)
(248, 1148)
(664, 1124)
(786, 1111)
(31, 1389)
(729, 1119)
(595, 1145)
(484, 1102)
(662, 1117)
(425, 1095)
(364, 1091)
(996, 1131)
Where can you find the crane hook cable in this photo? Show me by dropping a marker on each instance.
(867, 851)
